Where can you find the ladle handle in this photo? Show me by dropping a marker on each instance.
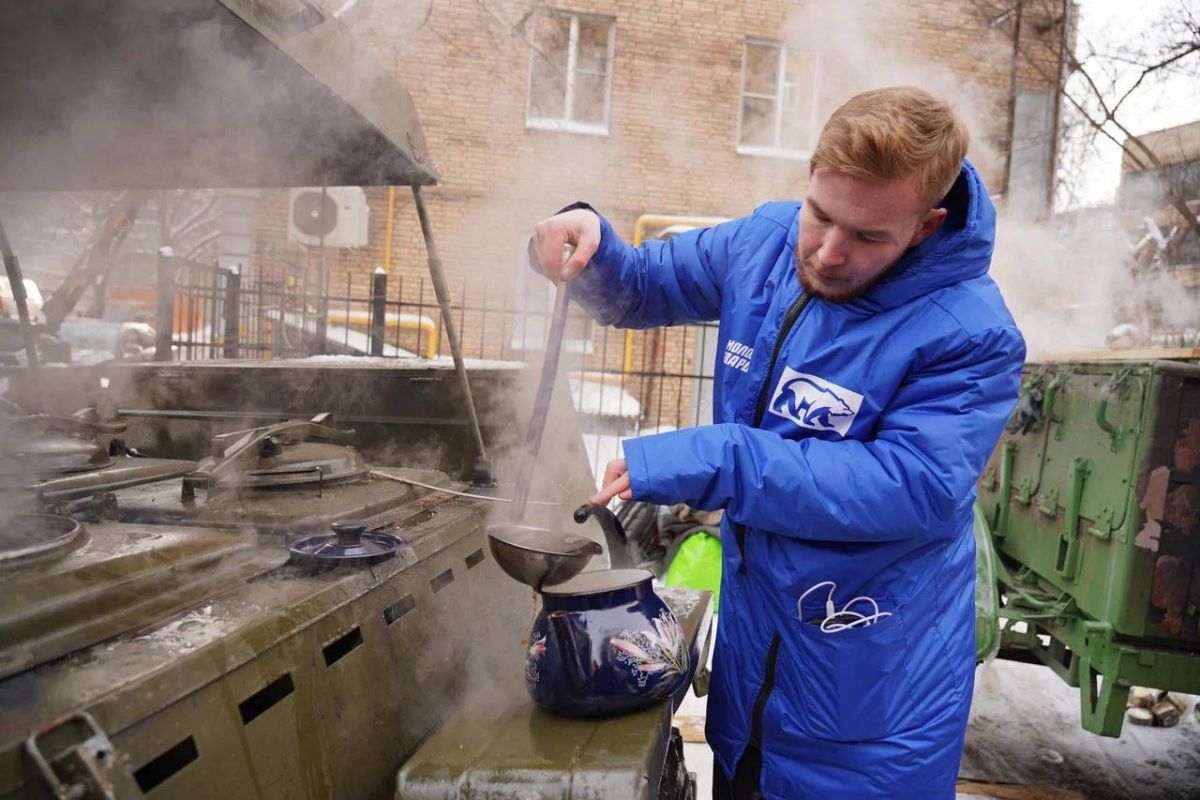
(541, 402)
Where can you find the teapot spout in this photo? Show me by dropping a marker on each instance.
(614, 534)
(571, 654)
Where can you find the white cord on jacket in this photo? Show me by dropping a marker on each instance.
(829, 625)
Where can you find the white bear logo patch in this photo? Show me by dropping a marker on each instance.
(814, 403)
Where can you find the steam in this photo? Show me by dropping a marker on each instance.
(1067, 280)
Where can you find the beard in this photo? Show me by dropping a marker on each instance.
(806, 267)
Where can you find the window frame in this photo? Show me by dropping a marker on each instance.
(565, 123)
(776, 150)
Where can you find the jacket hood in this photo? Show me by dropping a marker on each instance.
(959, 250)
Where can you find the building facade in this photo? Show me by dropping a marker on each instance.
(683, 107)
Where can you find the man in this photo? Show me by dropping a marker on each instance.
(876, 365)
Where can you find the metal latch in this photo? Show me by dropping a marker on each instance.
(92, 768)
(1069, 545)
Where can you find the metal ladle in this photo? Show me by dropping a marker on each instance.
(537, 556)
(545, 390)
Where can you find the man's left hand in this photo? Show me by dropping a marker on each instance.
(616, 483)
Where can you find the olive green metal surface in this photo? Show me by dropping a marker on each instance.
(1094, 510)
(501, 746)
(120, 578)
(296, 684)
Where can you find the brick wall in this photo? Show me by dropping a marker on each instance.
(671, 145)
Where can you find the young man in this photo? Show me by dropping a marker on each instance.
(876, 366)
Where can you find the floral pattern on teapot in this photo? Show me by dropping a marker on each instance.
(662, 652)
(537, 649)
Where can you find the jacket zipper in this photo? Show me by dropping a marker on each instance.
(789, 319)
(764, 691)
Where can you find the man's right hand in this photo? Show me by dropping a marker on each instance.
(579, 228)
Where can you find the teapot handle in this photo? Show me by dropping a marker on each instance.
(614, 533)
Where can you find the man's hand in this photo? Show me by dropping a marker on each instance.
(579, 228)
(616, 483)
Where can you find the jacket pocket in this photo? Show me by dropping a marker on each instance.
(853, 682)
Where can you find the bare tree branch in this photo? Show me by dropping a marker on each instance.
(1153, 68)
(1138, 152)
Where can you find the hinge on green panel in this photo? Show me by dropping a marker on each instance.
(1048, 505)
(1102, 527)
(1024, 491)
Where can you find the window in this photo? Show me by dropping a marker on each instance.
(779, 101)
(570, 72)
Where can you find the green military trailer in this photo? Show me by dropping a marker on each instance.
(1088, 525)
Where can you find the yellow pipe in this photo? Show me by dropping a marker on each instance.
(667, 220)
(391, 322)
(391, 215)
(639, 232)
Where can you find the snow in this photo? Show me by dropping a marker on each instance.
(598, 399)
(362, 342)
(1025, 729)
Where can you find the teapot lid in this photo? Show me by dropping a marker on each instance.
(602, 580)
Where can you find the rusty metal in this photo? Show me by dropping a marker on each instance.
(1187, 447)
(96, 768)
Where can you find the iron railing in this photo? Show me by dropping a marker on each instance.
(623, 382)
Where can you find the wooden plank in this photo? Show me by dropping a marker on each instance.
(1011, 791)
(691, 727)
(1149, 354)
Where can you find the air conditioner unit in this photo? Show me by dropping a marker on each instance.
(341, 215)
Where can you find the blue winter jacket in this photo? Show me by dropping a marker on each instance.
(851, 456)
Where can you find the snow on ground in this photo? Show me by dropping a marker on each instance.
(1025, 729)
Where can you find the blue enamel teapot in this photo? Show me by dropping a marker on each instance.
(603, 642)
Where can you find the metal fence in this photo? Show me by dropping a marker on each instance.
(622, 382)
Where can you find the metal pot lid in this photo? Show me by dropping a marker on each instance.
(349, 542)
(604, 580)
(304, 462)
(53, 454)
(25, 535)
